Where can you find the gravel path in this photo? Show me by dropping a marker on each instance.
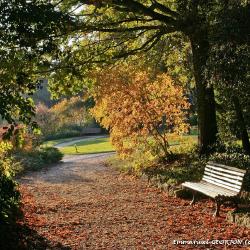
(82, 204)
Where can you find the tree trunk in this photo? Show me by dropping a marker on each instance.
(205, 94)
(242, 125)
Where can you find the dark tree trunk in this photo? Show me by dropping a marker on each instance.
(205, 94)
(242, 125)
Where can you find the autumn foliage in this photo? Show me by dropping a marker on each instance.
(67, 117)
(139, 109)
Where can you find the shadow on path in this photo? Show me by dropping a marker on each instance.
(21, 237)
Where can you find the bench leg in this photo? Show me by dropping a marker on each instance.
(217, 211)
(194, 198)
(236, 202)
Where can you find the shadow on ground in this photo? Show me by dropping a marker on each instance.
(20, 237)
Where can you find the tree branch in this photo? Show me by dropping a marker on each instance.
(140, 8)
(153, 40)
(135, 6)
(120, 29)
(163, 8)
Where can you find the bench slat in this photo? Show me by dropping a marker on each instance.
(225, 170)
(225, 183)
(209, 189)
(219, 177)
(238, 170)
(240, 178)
(221, 183)
(216, 185)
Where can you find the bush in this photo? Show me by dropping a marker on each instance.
(236, 158)
(38, 158)
(9, 195)
(50, 155)
(134, 164)
(185, 165)
(9, 198)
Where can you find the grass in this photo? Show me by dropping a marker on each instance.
(52, 143)
(101, 145)
(194, 130)
(91, 146)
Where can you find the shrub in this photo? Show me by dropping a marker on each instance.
(50, 155)
(185, 165)
(236, 158)
(9, 196)
(38, 158)
(65, 132)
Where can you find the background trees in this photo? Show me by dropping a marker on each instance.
(120, 29)
(67, 118)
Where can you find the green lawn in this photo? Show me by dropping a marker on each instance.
(91, 146)
(52, 143)
(101, 145)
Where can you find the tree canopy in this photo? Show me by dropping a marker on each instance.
(228, 69)
(66, 39)
(29, 30)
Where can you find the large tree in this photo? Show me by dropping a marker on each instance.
(228, 69)
(109, 30)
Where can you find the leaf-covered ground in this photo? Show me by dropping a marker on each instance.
(81, 204)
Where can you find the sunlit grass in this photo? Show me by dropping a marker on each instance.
(52, 143)
(91, 146)
(100, 145)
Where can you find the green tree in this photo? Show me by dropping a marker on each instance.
(29, 30)
(107, 31)
(228, 68)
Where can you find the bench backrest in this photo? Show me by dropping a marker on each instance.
(224, 176)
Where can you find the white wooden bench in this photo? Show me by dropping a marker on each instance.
(220, 182)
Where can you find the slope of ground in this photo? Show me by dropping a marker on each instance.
(81, 204)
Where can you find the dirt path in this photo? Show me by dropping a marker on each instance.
(81, 204)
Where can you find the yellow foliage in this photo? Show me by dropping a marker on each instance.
(139, 109)
(70, 111)
(5, 147)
